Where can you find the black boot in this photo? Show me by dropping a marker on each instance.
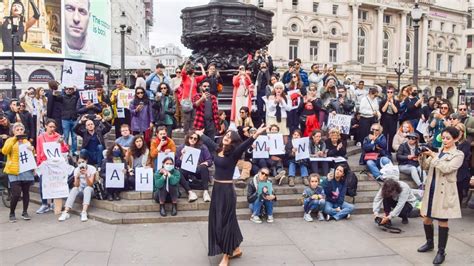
(429, 246)
(442, 240)
(174, 209)
(162, 210)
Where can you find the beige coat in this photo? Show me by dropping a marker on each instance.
(445, 204)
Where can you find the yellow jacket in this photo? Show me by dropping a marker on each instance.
(113, 99)
(11, 149)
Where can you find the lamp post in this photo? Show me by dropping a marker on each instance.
(399, 68)
(416, 14)
(123, 25)
(14, 22)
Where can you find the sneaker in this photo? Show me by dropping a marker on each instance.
(12, 218)
(320, 216)
(43, 209)
(348, 216)
(307, 217)
(84, 217)
(329, 218)
(25, 216)
(281, 177)
(256, 219)
(205, 196)
(404, 220)
(291, 181)
(305, 181)
(64, 216)
(270, 219)
(192, 196)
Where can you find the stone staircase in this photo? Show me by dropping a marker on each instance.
(140, 207)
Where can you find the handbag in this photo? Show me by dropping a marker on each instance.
(187, 104)
(371, 156)
(375, 118)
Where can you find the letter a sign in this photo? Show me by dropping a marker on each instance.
(190, 159)
(114, 176)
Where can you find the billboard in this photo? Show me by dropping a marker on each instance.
(70, 29)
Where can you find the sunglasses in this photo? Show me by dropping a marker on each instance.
(389, 92)
(163, 88)
(178, 72)
(412, 138)
(138, 93)
(294, 76)
(444, 108)
(265, 173)
(374, 129)
(462, 109)
(193, 138)
(205, 86)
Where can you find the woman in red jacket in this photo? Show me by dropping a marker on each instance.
(243, 92)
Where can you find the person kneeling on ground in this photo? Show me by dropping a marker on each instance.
(166, 183)
(314, 199)
(397, 199)
(260, 192)
(335, 189)
(84, 177)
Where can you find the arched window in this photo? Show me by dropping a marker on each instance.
(386, 44)
(361, 46)
(407, 51)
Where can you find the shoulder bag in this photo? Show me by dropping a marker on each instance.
(187, 104)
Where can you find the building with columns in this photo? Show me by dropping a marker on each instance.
(365, 38)
(169, 55)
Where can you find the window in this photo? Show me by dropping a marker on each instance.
(440, 44)
(334, 31)
(428, 55)
(363, 15)
(314, 29)
(438, 62)
(409, 21)
(430, 23)
(294, 4)
(313, 50)
(361, 46)
(441, 26)
(315, 7)
(454, 28)
(469, 41)
(407, 51)
(468, 61)
(469, 22)
(386, 44)
(334, 9)
(386, 19)
(450, 63)
(260, 3)
(294, 27)
(293, 53)
(333, 52)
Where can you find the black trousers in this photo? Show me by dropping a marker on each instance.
(389, 204)
(162, 194)
(198, 180)
(17, 188)
(389, 124)
(364, 128)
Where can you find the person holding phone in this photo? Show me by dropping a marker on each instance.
(207, 112)
(141, 112)
(243, 92)
(164, 108)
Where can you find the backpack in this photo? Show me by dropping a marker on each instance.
(351, 183)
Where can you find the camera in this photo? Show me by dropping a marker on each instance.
(90, 117)
(426, 147)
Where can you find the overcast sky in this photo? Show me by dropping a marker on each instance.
(167, 25)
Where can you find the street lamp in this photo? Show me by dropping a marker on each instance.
(14, 22)
(416, 14)
(123, 30)
(399, 68)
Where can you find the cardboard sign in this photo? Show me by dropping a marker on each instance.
(261, 148)
(190, 159)
(143, 179)
(115, 178)
(277, 146)
(422, 127)
(124, 98)
(88, 95)
(341, 122)
(302, 148)
(73, 74)
(161, 157)
(52, 150)
(54, 179)
(27, 159)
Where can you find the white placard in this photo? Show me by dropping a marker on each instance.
(341, 122)
(124, 98)
(422, 127)
(88, 95)
(73, 74)
(54, 184)
(190, 159)
(302, 148)
(161, 156)
(154, 85)
(261, 148)
(277, 146)
(115, 178)
(52, 150)
(143, 179)
(120, 113)
(27, 159)
(236, 173)
(321, 159)
(340, 159)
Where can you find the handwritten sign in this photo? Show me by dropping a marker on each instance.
(124, 98)
(115, 178)
(190, 159)
(52, 150)
(27, 159)
(261, 148)
(88, 95)
(54, 179)
(143, 179)
(73, 74)
(341, 122)
(302, 148)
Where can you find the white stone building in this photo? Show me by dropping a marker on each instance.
(364, 38)
(469, 76)
(169, 55)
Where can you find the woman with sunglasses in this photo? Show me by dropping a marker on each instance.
(295, 90)
(408, 161)
(410, 107)
(164, 108)
(389, 110)
(141, 112)
(440, 199)
(439, 122)
(243, 92)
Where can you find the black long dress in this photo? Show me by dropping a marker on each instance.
(224, 231)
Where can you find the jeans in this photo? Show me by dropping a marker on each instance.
(413, 171)
(95, 156)
(346, 208)
(315, 166)
(68, 125)
(375, 165)
(292, 169)
(256, 207)
(86, 192)
(312, 204)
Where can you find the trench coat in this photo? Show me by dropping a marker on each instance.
(445, 203)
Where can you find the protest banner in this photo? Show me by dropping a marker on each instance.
(261, 148)
(277, 146)
(27, 159)
(422, 127)
(52, 150)
(124, 98)
(341, 122)
(302, 148)
(190, 159)
(143, 179)
(114, 175)
(88, 95)
(73, 74)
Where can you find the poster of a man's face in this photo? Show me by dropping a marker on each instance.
(76, 18)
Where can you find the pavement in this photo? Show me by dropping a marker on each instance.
(45, 241)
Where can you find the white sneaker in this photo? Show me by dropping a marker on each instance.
(205, 196)
(348, 217)
(270, 219)
(43, 209)
(84, 217)
(192, 196)
(256, 219)
(320, 216)
(307, 217)
(64, 216)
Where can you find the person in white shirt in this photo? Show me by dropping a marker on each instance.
(360, 92)
(369, 112)
(278, 105)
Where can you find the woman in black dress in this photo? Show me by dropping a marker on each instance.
(224, 232)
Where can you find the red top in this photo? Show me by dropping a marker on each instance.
(186, 84)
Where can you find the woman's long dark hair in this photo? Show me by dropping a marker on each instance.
(137, 100)
(390, 188)
(134, 150)
(168, 90)
(110, 150)
(234, 142)
(190, 133)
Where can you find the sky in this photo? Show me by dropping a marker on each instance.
(167, 25)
